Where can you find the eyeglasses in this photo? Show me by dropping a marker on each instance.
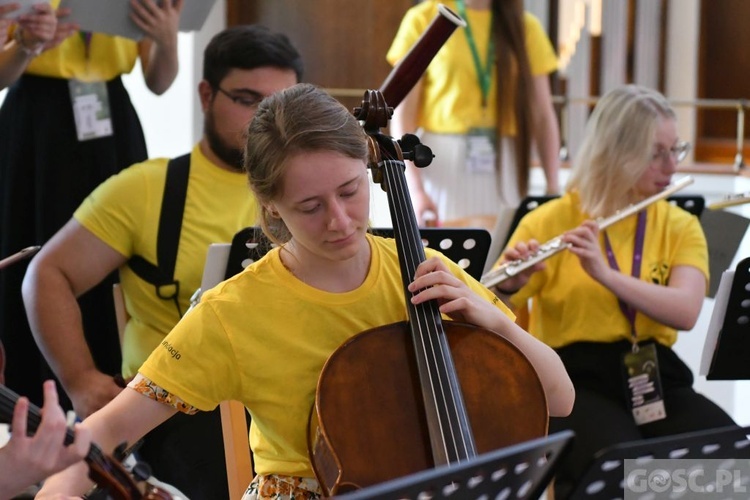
(678, 152)
(248, 98)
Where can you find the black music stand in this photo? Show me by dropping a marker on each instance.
(527, 205)
(693, 203)
(732, 351)
(605, 478)
(467, 247)
(248, 245)
(724, 230)
(519, 471)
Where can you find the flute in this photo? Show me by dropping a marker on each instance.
(730, 200)
(548, 249)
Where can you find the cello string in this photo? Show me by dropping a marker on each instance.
(454, 387)
(461, 436)
(419, 320)
(430, 316)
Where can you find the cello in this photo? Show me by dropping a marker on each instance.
(406, 397)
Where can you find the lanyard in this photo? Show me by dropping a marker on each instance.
(484, 73)
(640, 232)
(86, 37)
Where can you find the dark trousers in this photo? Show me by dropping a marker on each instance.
(45, 174)
(187, 451)
(601, 417)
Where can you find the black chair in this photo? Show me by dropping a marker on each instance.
(467, 247)
(693, 203)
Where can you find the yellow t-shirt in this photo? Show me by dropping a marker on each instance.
(567, 305)
(451, 101)
(262, 338)
(124, 213)
(108, 57)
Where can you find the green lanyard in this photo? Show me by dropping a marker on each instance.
(484, 73)
(86, 37)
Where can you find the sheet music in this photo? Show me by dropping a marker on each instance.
(216, 265)
(724, 232)
(113, 16)
(25, 6)
(717, 320)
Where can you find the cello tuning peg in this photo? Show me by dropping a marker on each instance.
(415, 151)
(408, 141)
(422, 155)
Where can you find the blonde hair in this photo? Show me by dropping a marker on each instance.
(617, 148)
(296, 120)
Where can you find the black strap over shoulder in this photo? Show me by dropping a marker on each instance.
(161, 275)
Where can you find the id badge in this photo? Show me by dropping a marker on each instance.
(90, 109)
(480, 150)
(643, 388)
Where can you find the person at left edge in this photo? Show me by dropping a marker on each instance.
(48, 165)
(28, 459)
(120, 219)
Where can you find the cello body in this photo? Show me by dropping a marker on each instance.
(369, 424)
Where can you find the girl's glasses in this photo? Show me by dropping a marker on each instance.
(678, 152)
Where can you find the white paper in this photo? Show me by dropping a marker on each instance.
(216, 265)
(24, 7)
(717, 320)
(113, 16)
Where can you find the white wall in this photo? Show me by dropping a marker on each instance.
(173, 122)
(166, 118)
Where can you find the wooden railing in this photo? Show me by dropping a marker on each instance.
(562, 103)
(739, 105)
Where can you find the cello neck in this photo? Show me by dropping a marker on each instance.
(447, 421)
(450, 433)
